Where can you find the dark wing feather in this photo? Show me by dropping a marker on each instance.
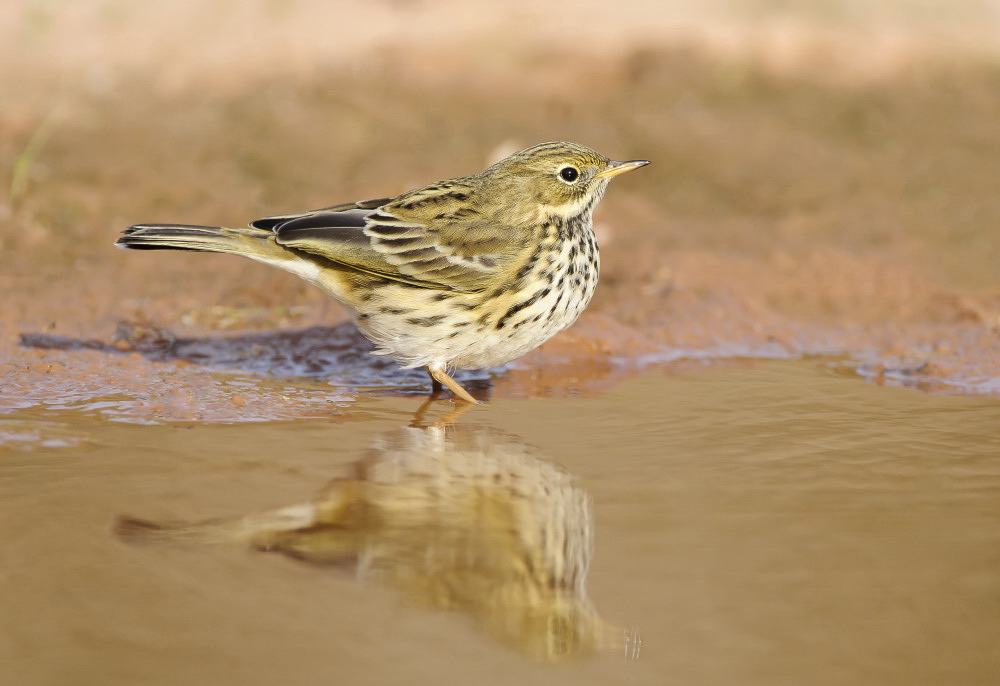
(337, 236)
(350, 213)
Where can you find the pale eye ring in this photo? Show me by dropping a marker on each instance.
(569, 174)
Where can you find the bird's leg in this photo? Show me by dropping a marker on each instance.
(440, 376)
(436, 386)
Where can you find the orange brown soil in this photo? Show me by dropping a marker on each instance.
(786, 213)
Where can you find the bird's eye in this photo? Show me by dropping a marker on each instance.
(569, 174)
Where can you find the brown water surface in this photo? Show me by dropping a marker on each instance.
(774, 523)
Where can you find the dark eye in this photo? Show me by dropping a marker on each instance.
(569, 174)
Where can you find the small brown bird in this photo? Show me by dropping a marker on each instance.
(468, 273)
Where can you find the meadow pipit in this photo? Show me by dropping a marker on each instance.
(468, 273)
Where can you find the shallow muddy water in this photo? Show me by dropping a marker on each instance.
(774, 523)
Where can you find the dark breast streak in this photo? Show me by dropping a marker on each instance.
(561, 274)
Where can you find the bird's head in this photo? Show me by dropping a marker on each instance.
(559, 177)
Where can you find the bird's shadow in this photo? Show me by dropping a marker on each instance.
(338, 355)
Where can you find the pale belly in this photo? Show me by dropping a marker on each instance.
(450, 333)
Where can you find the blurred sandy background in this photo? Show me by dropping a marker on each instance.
(190, 43)
(824, 181)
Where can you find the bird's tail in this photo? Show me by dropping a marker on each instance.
(257, 244)
(254, 243)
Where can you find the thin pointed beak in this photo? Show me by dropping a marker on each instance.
(617, 168)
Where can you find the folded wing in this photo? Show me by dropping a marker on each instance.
(397, 242)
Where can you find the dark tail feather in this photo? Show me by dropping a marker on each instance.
(248, 242)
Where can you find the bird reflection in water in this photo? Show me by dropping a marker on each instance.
(456, 518)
